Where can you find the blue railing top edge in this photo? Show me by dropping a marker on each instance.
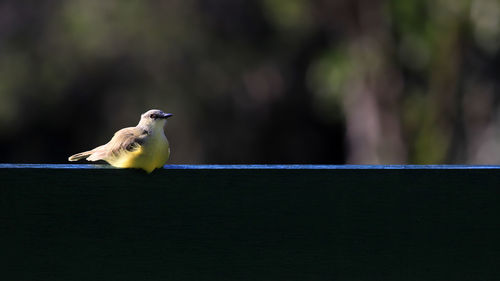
(256, 167)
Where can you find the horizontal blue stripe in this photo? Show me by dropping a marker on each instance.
(258, 167)
(330, 167)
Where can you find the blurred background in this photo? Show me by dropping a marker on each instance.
(264, 81)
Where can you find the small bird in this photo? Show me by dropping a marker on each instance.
(143, 146)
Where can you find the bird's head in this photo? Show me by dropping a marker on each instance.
(154, 119)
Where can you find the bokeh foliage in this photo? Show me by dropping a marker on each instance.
(268, 81)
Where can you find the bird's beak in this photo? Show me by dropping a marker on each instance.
(166, 115)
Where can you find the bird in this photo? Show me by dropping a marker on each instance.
(144, 146)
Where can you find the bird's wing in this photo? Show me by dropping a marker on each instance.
(125, 140)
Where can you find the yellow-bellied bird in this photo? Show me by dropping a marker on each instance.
(143, 146)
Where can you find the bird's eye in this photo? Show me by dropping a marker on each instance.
(152, 116)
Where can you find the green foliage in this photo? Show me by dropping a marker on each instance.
(389, 81)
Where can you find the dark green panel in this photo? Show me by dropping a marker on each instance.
(249, 224)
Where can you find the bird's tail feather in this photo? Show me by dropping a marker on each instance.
(80, 155)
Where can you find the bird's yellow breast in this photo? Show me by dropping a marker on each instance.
(153, 154)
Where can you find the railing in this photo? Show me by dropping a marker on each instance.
(256, 222)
